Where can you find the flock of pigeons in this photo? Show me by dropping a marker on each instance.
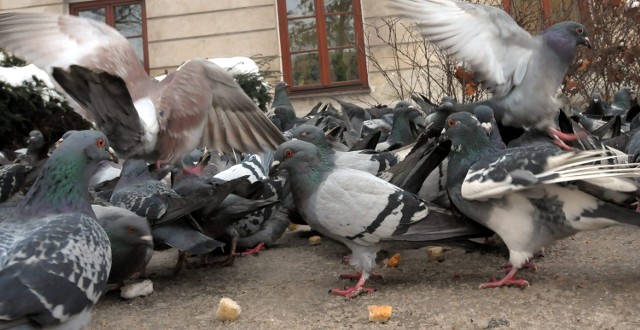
(520, 165)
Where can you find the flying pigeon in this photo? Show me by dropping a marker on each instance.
(523, 72)
(198, 105)
(130, 239)
(361, 210)
(54, 256)
(529, 195)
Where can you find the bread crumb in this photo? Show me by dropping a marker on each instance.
(393, 261)
(228, 310)
(315, 240)
(435, 253)
(380, 313)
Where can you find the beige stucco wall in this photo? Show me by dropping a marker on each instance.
(181, 30)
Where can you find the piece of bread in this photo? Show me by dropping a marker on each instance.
(228, 310)
(435, 253)
(138, 289)
(393, 261)
(315, 240)
(380, 313)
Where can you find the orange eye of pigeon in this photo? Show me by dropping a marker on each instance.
(131, 230)
(100, 143)
(288, 153)
(452, 122)
(579, 30)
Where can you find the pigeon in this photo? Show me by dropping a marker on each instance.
(198, 105)
(368, 161)
(130, 239)
(285, 118)
(523, 72)
(361, 210)
(527, 194)
(36, 150)
(54, 256)
(404, 130)
(621, 101)
(280, 97)
(598, 107)
(152, 199)
(12, 178)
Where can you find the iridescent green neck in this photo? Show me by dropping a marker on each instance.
(61, 186)
(307, 177)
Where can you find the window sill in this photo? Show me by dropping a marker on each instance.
(327, 92)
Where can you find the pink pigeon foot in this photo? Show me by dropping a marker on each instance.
(508, 280)
(346, 259)
(530, 265)
(358, 275)
(254, 250)
(559, 138)
(351, 292)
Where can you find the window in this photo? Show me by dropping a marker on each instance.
(126, 16)
(322, 45)
(536, 15)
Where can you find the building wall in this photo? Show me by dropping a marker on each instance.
(180, 30)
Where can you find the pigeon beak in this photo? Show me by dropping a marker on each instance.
(114, 157)
(274, 168)
(57, 143)
(147, 238)
(587, 42)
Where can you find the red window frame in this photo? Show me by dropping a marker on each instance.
(109, 6)
(325, 85)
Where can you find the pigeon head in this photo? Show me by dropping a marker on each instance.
(485, 116)
(132, 230)
(565, 36)
(465, 132)
(307, 166)
(311, 134)
(63, 183)
(35, 140)
(301, 157)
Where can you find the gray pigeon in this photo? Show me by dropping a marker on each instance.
(598, 107)
(280, 96)
(198, 105)
(621, 101)
(54, 256)
(522, 72)
(529, 195)
(361, 210)
(152, 199)
(368, 161)
(403, 129)
(130, 239)
(12, 178)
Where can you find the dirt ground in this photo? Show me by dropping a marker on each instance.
(589, 281)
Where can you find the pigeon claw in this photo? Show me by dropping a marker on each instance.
(254, 250)
(503, 282)
(508, 280)
(352, 291)
(358, 275)
(530, 265)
